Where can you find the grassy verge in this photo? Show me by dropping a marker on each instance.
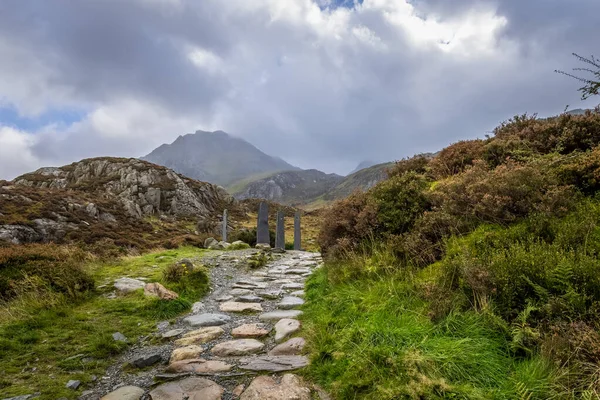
(45, 344)
(372, 338)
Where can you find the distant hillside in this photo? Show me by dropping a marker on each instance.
(363, 165)
(289, 187)
(309, 186)
(215, 157)
(361, 180)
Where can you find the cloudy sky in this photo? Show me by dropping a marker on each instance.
(321, 83)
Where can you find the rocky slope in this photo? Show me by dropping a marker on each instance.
(215, 157)
(363, 179)
(98, 197)
(290, 187)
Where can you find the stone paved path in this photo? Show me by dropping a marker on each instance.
(244, 340)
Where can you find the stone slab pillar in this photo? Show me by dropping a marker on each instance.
(262, 225)
(280, 231)
(297, 232)
(224, 228)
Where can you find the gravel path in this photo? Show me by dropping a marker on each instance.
(241, 341)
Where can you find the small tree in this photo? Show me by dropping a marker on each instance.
(591, 84)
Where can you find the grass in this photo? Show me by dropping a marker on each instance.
(372, 338)
(42, 348)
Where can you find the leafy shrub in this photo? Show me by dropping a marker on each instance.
(456, 158)
(399, 201)
(175, 272)
(238, 246)
(347, 223)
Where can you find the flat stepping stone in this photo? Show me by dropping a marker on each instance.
(186, 353)
(240, 292)
(290, 302)
(298, 293)
(207, 319)
(297, 271)
(239, 347)
(246, 284)
(193, 388)
(293, 286)
(260, 274)
(200, 336)
(224, 298)
(234, 306)
(273, 363)
(250, 331)
(266, 388)
(249, 299)
(292, 347)
(172, 333)
(198, 366)
(279, 314)
(270, 294)
(285, 328)
(125, 393)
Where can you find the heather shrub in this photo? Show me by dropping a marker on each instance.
(456, 158)
(418, 164)
(582, 170)
(399, 201)
(347, 224)
(502, 195)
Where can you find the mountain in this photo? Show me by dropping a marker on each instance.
(309, 186)
(363, 165)
(289, 187)
(100, 197)
(215, 157)
(363, 180)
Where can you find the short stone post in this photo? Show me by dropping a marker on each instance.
(262, 225)
(224, 228)
(280, 231)
(297, 234)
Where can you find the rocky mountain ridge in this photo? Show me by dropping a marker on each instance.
(102, 198)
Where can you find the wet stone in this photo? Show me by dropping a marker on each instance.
(270, 294)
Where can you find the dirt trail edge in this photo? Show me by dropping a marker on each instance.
(242, 341)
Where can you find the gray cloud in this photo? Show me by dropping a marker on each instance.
(323, 88)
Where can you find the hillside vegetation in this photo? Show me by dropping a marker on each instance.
(471, 275)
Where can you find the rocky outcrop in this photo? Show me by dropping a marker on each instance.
(143, 188)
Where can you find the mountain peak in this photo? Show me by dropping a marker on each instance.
(216, 157)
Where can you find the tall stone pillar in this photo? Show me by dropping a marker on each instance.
(280, 231)
(262, 225)
(297, 232)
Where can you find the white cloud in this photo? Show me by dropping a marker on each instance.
(15, 153)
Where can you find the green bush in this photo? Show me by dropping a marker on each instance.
(456, 158)
(399, 201)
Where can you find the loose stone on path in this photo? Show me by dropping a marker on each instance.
(240, 347)
(286, 327)
(273, 363)
(199, 366)
(186, 353)
(250, 331)
(292, 347)
(280, 314)
(233, 306)
(267, 388)
(200, 336)
(189, 388)
(207, 319)
(290, 302)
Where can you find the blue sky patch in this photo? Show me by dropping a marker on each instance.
(9, 116)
